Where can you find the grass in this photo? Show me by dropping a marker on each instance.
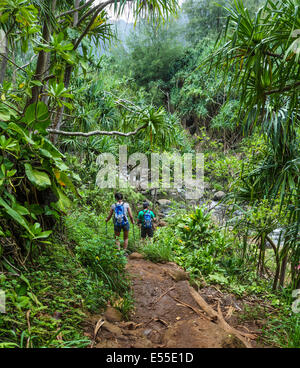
(157, 251)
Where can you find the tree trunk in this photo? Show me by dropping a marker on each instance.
(14, 74)
(43, 57)
(41, 65)
(67, 78)
(75, 19)
(283, 270)
(276, 278)
(3, 63)
(45, 98)
(259, 258)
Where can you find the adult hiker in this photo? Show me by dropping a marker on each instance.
(145, 220)
(120, 210)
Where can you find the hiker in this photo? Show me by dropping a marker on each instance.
(145, 220)
(121, 210)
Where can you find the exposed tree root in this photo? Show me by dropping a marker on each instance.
(219, 319)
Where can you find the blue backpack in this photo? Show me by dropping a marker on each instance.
(147, 220)
(120, 217)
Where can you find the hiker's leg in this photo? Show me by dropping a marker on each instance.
(126, 233)
(150, 234)
(143, 234)
(117, 234)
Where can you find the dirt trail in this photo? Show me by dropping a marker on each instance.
(166, 314)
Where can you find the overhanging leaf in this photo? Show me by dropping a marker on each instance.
(39, 178)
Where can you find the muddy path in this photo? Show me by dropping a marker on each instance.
(167, 315)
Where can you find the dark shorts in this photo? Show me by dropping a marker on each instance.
(118, 229)
(145, 232)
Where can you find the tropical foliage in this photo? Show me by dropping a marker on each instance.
(222, 79)
(263, 54)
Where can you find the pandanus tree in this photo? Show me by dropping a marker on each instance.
(262, 53)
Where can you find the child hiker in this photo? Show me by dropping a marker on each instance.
(120, 210)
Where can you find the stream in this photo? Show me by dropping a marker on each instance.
(220, 211)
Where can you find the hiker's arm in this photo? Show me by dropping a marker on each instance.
(155, 219)
(130, 215)
(109, 216)
(139, 221)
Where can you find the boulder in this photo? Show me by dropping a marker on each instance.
(179, 275)
(164, 202)
(219, 195)
(113, 315)
(135, 255)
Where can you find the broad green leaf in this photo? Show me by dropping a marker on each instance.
(4, 114)
(39, 178)
(20, 209)
(63, 204)
(36, 83)
(47, 145)
(37, 116)
(19, 130)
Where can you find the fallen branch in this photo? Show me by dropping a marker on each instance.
(147, 323)
(202, 303)
(154, 319)
(161, 321)
(163, 294)
(197, 311)
(96, 132)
